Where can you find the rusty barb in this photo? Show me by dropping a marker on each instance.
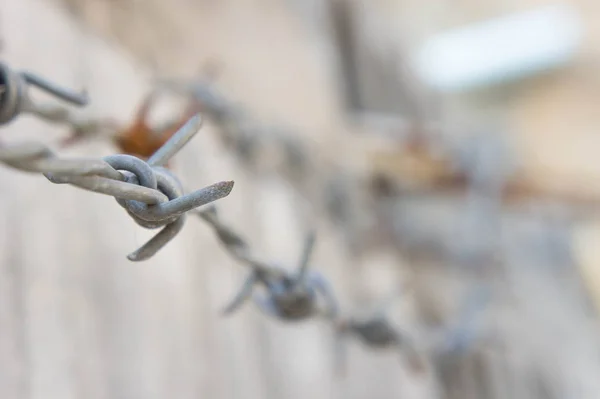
(290, 295)
(150, 194)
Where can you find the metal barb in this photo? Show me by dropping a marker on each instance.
(288, 296)
(309, 244)
(15, 99)
(151, 194)
(80, 99)
(176, 142)
(170, 212)
(170, 186)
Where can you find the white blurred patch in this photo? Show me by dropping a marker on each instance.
(500, 50)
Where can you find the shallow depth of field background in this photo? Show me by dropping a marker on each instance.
(78, 320)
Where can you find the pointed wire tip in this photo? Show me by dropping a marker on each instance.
(224, 187)
(135, 258)
(196, 121)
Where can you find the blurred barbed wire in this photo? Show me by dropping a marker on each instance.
(291, 296)
(480, 168)
(476, 173)
(376, 330)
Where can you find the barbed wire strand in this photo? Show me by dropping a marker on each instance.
(376, 331)
(291, 296)
(348, 200)
(151, 194)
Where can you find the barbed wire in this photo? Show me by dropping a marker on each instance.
(377, 331)
(151, 194)
(359, 204)
(291, 296)
(15, 101)
(153, 197)
(14, 89)
(287, 298)
(331, 188)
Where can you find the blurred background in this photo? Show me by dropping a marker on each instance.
(442, 146)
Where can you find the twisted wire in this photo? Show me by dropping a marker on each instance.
(292, 295)
(151, 194)
(377, 331)
(359, 205)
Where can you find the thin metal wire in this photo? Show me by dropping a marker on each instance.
(80, 99)
(176, 142)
